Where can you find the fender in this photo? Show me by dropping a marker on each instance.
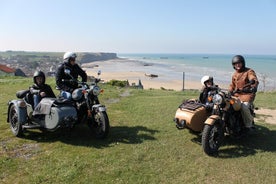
(99, 107)
(21, 109)
(211, 120)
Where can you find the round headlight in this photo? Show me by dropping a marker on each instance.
(96, 90)
(217, 99)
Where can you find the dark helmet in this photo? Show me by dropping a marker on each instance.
(39, 74)
(238, 59)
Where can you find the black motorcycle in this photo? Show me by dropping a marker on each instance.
(88, 107)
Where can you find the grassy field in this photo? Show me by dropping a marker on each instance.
(143, 145)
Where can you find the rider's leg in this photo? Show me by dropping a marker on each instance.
(246, 114)
(36, 100)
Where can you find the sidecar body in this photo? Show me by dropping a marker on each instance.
(50, 114)
(192, 115)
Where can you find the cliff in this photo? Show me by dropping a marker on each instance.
(90, 57)
(48, 62)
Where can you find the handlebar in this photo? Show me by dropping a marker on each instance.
(97, 80)
(246, 88)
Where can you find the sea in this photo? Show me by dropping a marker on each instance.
(193, 66)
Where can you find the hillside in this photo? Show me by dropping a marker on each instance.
(28, 62)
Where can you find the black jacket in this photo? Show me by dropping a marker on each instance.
(45, 88)
(75, 71)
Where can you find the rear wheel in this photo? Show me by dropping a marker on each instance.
(16, 127)
(100, 125)
(212, 136)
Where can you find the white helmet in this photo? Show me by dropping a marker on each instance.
(69, 55)
(206, 78)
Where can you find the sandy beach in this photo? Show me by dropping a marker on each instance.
(133, 71)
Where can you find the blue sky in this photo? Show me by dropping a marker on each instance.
(139, 26)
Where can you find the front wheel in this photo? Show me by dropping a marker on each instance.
(100, 125)
(15, 125)
(212, 136)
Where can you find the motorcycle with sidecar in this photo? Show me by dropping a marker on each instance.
(50, 114)
(220, 117)
(54, 113)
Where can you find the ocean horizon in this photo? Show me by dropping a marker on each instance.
(194, 66)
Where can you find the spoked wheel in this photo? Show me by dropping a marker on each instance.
(212, 136)
(100, 126)
(16, 127)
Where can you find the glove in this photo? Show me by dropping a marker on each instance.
(250, 90)
(73, 82)
(253, 90)
(68, 89)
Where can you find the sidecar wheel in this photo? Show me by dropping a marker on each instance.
(212, 136)
(100, 125)
(16, 127)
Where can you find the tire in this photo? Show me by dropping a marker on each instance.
(16, 127)
(100, 125)
(212, 136)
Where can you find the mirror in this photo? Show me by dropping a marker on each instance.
(99, 72)
(67, 71)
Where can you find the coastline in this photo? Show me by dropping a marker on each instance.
(134, 70)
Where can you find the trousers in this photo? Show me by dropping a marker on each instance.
(246, 114)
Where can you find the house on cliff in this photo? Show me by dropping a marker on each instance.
(5, 70)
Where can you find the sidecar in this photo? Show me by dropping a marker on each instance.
(50, 114)
(192, 115)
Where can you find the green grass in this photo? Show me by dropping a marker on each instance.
(143, 145)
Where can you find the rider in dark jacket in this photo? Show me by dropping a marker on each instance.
(208, 85)
(39, 89)
(63, 79)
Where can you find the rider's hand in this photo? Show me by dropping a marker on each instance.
(42, 94)
(253, 90)
(73, 82)
(250, 90)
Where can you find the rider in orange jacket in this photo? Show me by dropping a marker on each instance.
(242, 77)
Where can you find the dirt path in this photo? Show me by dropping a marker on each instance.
(267, 115)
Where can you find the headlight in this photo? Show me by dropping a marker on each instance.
(217, 99)
(96, 90)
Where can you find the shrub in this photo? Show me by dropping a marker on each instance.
(118, 83)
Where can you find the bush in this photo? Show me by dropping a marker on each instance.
(118, 83)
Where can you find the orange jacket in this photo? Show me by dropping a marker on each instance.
(240, 79)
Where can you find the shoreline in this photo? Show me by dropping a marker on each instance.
(134, 70)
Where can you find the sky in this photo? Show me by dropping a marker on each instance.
(139, 26)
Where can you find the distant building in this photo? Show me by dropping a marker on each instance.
(5, 70)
